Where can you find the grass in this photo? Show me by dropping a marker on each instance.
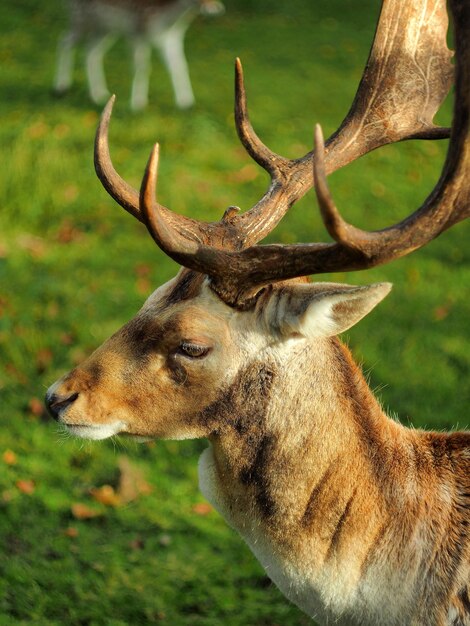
(74, 267)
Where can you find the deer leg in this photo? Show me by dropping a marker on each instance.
(140, 83)
(96, 49)
(171, 46)
(65, 61)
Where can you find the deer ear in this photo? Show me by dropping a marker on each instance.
(320, 309)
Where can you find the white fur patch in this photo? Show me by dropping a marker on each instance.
(317, 320)
(95, 431)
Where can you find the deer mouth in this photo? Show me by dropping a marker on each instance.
(95, 431)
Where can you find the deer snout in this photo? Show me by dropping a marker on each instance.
(57, 403)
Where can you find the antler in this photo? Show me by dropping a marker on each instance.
(406, 78)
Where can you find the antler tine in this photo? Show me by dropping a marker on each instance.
(194, 255)
(168, 239)
(337, 227)
(407, 76)
(118, 189)
(259, 152)
(256, 223)
(186, 228)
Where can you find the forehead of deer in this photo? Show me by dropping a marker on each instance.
(184, 306)
(186, 285)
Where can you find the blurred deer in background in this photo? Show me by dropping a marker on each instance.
(357, 519)
(146, 23)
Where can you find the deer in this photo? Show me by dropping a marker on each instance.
(145, 23)
(357, 519)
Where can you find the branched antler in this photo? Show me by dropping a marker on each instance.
(405, 81)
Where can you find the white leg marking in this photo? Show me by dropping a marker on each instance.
(96, 50)
(141, 51)
(65, 61)
(171, 46)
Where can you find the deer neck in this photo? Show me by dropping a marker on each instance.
(335, 499)
(298, 420)
(301, 459)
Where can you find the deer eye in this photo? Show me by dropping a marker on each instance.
(193, 350)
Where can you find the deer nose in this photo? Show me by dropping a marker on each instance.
(56, 403)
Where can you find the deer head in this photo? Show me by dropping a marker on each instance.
(235, 300)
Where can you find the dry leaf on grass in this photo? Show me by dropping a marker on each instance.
(106, 495)
(9, 457)
(43, 360)
(36, 246)
(82, 511)
(131, 482)
(131, 485)
(7, 496)
(441, 312)
(36, 407)
(26, 486)
(202, 508)
(68, 231)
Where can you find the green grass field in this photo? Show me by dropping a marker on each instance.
(74, 267)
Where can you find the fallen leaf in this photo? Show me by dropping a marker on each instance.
(26, 486)
(164, 540)
(77, 355)
(61, 130)
(98, 567)
(52, 310)
(441, 312)
(15, 373)
(69, 193)
(10, 457)
(143, 286)
(246, 174)
(68, 231)
(106, 495)
(36, 246)
(143, 270)
(66, 339)
(131, 482)
(137, 544)
(202, 508)
(7, 496)
(38, 129)
(43, 359)
(82, 511)
(36, 406)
